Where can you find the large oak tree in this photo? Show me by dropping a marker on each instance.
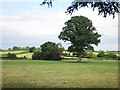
(81, 33)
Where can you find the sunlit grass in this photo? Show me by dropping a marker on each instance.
(59, 74)
(28, 55)
(6, 52)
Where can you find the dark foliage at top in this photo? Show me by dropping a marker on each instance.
(48, 2)
(103, 7)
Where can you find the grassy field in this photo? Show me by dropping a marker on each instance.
(95, 73)
(59, 74)
(28, 55)
(15, 52)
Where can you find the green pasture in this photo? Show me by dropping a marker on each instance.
(59, 74)
(15, 52)
(28, 55)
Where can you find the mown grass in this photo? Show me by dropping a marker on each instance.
(59, 74)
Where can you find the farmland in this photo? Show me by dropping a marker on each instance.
(59, 74)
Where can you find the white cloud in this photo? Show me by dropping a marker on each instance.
(34, 23)
(49, 24)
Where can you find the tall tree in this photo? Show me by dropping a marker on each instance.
(81, 33)
(104, 6)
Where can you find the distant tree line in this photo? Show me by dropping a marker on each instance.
(16, 48)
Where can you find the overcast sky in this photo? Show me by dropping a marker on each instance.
(29, 24)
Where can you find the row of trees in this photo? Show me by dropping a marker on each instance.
(101, 54)
(56, 53)
(16, 48)
(91, 54)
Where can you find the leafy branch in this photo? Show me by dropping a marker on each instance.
(104, 7)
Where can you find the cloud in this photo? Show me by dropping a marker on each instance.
(34, 23)
(35, 27)
(31, 28)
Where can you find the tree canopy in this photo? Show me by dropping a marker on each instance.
(32, 49)
(81, 33)
(16, 48)
(104, 6)
(49, 51)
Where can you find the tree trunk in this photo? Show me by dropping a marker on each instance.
(79, 57)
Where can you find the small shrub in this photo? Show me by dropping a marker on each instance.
(32, 49)
(25, 57)
(11, 56)
(111, 55)
(118, 57)
(101, 54)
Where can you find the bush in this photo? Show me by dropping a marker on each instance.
(49, 51)
(89, 55)
(118, 58)
(37, 55)
(101, 54)
(11, 56)
(25, 57)
(32, 49)
(111, 55)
